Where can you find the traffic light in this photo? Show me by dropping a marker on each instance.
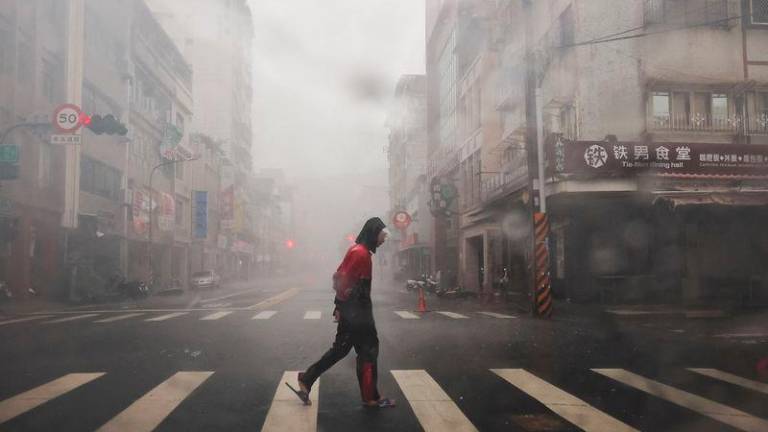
(290, 244)
(104, 125)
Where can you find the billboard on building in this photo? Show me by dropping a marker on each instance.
(166, 216)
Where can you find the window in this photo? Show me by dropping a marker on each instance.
(99, 179)
(179, 211)
(719, 108)
(567, 27)
(660, 106)
(759, 11)
(681, 12)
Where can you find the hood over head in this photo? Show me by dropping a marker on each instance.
(369, 235)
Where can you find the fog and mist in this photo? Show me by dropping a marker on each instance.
(324, 76)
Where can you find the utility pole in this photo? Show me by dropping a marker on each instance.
(538, 264)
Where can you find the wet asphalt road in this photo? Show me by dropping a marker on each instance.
(247, 358)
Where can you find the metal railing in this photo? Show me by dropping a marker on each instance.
(696, 122)
(758, 125)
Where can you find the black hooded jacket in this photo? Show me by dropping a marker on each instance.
(369, 235)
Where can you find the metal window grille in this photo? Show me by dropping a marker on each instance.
(687, 12)
(759, 11)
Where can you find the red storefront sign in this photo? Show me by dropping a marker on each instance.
(587, 159)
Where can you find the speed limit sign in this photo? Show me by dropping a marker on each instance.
(66, 118)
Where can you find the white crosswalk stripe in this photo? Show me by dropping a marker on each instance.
(287, 412)
(216, 315)
(31, 399)
(147, 412)
(70, 318)
(264, 315)
(453, 315)
(166, 316)
(733, 379)
(312, 315)
(25, 319)
(434, 409)
(564, 404)
(406, 315)
(118, 318)
(709, 408)
(497, 315)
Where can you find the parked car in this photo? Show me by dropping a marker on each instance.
(205, 279)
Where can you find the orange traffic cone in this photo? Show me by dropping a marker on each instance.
(422, 301)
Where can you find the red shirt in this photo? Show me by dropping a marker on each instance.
(355, 266)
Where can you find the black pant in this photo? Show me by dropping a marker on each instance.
(356, 329)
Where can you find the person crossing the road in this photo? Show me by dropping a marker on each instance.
(354, 314)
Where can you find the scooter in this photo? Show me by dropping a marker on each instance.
(134, 289)
(414, 284)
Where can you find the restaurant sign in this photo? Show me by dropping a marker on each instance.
(620, 158)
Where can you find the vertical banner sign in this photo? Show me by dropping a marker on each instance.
(201, 214)
(167, 216)
(543, 292)
(140, 212)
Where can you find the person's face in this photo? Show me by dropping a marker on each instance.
(382, 238)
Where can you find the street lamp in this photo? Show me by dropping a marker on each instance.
(151, 190)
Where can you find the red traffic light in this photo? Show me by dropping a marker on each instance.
(85, 119)
(290, 244)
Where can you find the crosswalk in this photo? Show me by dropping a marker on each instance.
(154, 316)
(432, 406)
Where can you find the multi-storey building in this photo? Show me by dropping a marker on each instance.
(654, 116)
(408, 185)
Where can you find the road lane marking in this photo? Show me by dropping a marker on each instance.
(733, 379)
(434, 409)
(213, 299)
(562, 403)
(453, 315)
(498, 315)
(312, 315)
(149, 411)
(406, 315)
(287, 412)
(18, 320)
(167, 316)
(742, 335)
(215, 316)
(71, 318)
(118, 318)
(264, 315)
(31, 399)
(706, 407)
(279, 298)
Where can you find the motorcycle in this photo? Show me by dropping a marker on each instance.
(118, 285)
(456, 293)
(414, 284)
(5, 293)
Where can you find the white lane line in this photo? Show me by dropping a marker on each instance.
(18, 320)
(498, 315)
(562, 403)
(406, 315)
(632, 312)
(31, 399)
(313, 315)
(279, 298)
(264, 315)
(149, 411)
(742, 335)
(118, 318)
(287, 412)
(453, 315)
(167, 316)
(215, 316)
(434, 409)
(213, 299)
(71, 318)
(706, 407)
(733, 379)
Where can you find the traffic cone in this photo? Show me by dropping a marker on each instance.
(422, 301)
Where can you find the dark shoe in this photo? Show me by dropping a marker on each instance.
(381, 403)
(304, 396)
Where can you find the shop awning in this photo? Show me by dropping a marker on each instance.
(742, 199)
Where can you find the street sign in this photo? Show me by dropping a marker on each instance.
(66, 139)
(9, 153)
(66, 118)
(9, 171)
(401, 220)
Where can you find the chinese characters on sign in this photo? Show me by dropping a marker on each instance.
(596, 158)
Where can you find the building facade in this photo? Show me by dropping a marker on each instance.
(653, 115)
(408, 185)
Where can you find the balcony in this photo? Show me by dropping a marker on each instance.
(696, 122)
(758, 125)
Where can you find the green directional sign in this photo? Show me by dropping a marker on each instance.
(9, 153)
